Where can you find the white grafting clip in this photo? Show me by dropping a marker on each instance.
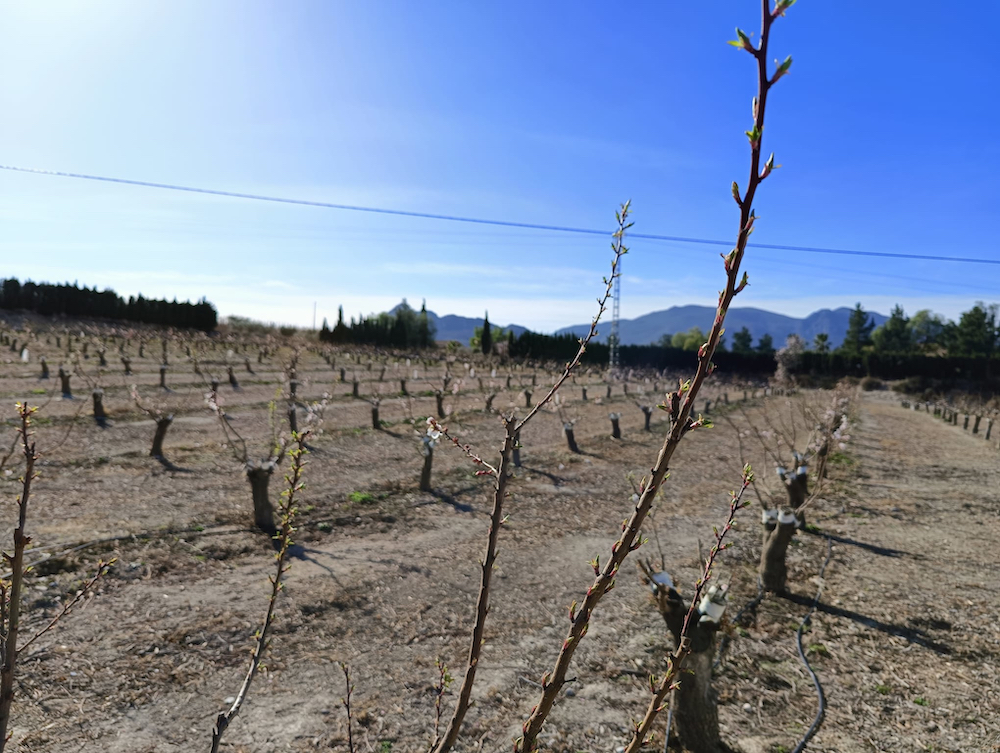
(713, 604)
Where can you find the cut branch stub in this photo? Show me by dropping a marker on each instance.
(100, 415)
(259, 475)
(162, 425)
(64, 377)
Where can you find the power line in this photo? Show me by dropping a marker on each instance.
(497, 223)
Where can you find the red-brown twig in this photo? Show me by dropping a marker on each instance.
(680, 405)
(284, 537)
(501, 475)
(488, 470)
(11, 595)
(102, 570)
(345, 701)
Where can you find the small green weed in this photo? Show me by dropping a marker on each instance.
(883, 689)
(921, 701)
(361, 498)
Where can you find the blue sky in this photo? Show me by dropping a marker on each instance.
(548, 113)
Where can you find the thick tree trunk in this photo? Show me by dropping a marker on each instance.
(162, 425)
(259, 476)
(293, 417)
(583, 392)
(609, 392)
(425, 472)
(439, 397)
(489, 401)
(773, 568)
(527, 398)
(233, 381)
(127, 364)
(102, 358)
(100, 416)
(45, 371)
(163, 376)
(376, 423)
(246, 361)
(402, 387)
(647, 415)
(64, 377)
(616, 431)
(570, 439)
(975, 425)
(694, 703)
(343, 374)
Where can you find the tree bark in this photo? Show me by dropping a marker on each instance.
(647, 415)
(439, 397)
(45, 370)
(64, 377)
(773, 568)
(162, 425)
(616, 431)
(376, 423)
(584, 394)
(425, 472)
(259, 476)
(695, 702)
(100, 416)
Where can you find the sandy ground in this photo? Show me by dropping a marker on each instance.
(385, 577)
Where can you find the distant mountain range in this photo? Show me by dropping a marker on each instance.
(461, 328)
(649, 328)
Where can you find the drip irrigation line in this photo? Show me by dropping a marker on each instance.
(821, 710)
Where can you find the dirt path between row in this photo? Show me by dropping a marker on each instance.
(905, 642)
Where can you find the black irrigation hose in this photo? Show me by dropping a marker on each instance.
(821, 711)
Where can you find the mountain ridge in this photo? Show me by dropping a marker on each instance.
(649, 328)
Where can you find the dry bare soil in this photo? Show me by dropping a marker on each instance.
(385, 577)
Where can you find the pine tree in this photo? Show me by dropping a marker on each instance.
(821, 343)
(765, 344)
(742, 342)
(894, 336)
(486, 341)
(859, 332)
(976, 332)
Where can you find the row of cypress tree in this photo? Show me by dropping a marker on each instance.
(401, 328)
(72, 300)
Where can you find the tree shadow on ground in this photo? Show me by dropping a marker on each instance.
(911, 634)
(873, 548)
